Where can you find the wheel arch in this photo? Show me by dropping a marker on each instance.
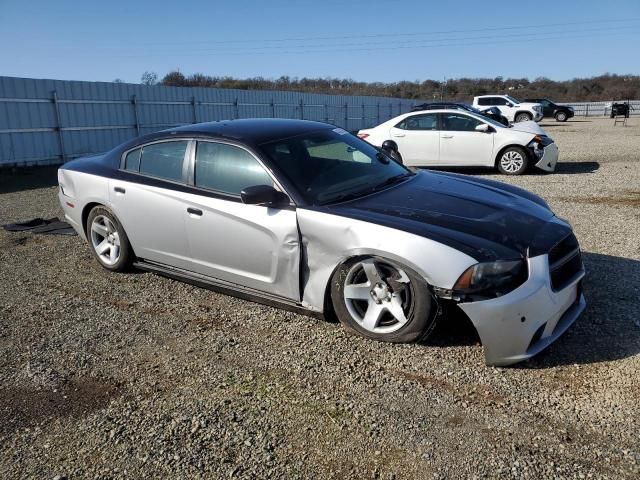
(510, 145)
(523, 111)
(85, 213)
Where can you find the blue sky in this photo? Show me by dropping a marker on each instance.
(369, 40)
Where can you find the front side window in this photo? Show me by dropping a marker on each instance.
(331, 165)
(163, 160)
(427, 121)
(499, 101)
(227, 168)
(459, 122)
(484, 101)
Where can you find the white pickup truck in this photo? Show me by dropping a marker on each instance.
(511, 108)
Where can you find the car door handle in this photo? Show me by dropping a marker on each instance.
(446, 136)
(194, 211)
(119, 190)
(398, 134)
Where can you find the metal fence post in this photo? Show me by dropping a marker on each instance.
(364, 123)
(399, 108)
(273, 109)
(346, 115)
(586, 114)
(378, 113)
(301, 110)
(326, 113)
(195, 113)
(134, 102)
(236, 111)
(56, 107)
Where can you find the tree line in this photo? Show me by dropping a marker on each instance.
(599, 88)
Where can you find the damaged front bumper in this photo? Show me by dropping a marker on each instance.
(549, 158)
(522, 323)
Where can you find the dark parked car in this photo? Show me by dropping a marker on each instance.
(561, 113)
(490, 112)
(619, 109)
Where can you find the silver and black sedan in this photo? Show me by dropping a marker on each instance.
(304, 215)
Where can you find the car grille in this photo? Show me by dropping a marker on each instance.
(565, 262)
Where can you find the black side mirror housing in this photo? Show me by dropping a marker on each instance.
(264, 195)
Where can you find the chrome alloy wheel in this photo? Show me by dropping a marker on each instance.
(105, 240)
(512, 161)
(378, 296)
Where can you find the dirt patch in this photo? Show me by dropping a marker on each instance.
(23, 407)
(628, 199)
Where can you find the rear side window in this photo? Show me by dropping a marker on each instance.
(428, 121)
(163, 160)
(227, 169)
(132, 160)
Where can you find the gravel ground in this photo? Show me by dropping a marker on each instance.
(115, 376)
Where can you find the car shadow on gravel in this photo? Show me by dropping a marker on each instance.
(562, 168)
(609, 328)
(27, 178)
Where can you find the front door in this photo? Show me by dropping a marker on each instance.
(418, 139)
(461, 144)
(250, 245)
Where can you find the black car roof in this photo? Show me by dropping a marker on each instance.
(253, 131)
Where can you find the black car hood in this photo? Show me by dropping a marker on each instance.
(487, 220)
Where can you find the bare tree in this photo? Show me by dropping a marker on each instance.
(149, 78)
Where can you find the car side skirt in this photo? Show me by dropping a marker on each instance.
(225, 288)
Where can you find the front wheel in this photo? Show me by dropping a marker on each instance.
(561, 117)
(513, 161)
(382, 300)
(108, 240)
(523, 117)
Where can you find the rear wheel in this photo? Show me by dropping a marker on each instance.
(513, 161)
(108, 240)
(380, 299)
(561, 116)
(523, 117)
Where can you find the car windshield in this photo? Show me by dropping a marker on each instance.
(511, 99)
(332, 165)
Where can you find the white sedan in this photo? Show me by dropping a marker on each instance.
(455, 138)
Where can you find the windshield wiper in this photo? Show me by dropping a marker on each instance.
(392, 180)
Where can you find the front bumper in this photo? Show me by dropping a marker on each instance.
(522, 323)
(549, 158)
(539, 116)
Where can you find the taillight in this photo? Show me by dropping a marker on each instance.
(363, 135)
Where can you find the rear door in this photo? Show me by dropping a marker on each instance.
(250, 245)
(148, 201)
(461, 144)
(418, 139)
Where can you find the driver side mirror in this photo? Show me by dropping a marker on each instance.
(484, 128)
(263, 195)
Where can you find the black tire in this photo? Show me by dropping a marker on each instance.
(125, 255)
(561, 116)
(523, 117)
(420, 308)
(513, 161)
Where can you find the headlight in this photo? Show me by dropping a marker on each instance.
(491, 279)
